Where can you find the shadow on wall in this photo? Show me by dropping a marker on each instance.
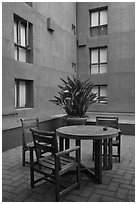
(12, 138)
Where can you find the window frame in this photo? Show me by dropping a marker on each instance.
(98, 63)
(18, 20)
(98, 27)
(29, 93)
(99, 90)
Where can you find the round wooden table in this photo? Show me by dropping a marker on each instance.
(89, 132)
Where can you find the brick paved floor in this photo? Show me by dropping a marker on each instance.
(118, 184)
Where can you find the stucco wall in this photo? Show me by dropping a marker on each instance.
(120, 42)
(53, 55)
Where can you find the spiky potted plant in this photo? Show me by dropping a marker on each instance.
(75, 97)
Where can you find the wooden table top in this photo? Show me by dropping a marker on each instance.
(86, 132)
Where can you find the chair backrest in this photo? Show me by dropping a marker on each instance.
(44, 141)
(26, 125)
(107, 121)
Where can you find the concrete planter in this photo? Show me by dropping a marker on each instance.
(75, 120)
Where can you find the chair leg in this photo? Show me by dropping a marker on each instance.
(57, 179)
(32, 177)
(57, 188)
(78, 168)
(31, 169)
(119, 153)
(93, 152)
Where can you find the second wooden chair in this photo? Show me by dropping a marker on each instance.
(108, 121)
(27, 141)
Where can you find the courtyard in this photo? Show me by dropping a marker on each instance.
(118, 184)
(44, 42)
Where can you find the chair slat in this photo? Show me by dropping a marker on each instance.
(45, 148)
(46, 140)
(107, 121)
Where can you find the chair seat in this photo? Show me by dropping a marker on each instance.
(48, 162)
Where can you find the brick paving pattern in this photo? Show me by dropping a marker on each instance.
(118, 184)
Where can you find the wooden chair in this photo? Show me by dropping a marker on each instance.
(110, 122)
(53, 165)
(26, 124)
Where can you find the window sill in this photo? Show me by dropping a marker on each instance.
(21, 109)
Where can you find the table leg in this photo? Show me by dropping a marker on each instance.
(98, 160)
(67, 143)
(78, 143)
(105, 152)
(110, 153)
(61, 144)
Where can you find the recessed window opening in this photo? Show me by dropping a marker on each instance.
(98, 22)
(101, 90)
(22, 40)
(23, 93)
(98, 60)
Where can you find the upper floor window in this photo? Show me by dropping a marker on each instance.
(98, 22)
(23, 93)
(101, 90)
(22, 40)
(98, 60)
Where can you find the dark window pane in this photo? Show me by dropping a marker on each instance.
(94, 31)
(103, 30)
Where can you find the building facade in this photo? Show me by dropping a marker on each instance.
(45, 41)
(106, 53)
(39, 47)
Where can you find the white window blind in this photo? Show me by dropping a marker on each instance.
(94, 19)
(15, 31)
(94, 69)
(15, 53)
(103, 90)
(94, 56)
(103, 55)
(95, 89)
(103, 17)
(23, 34)
(103, 68)
(22, 94)
(22, 55)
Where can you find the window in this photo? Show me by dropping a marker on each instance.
(23, 93)
(22, 40)
(98, 60)
(101, 90)
(98, 22)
